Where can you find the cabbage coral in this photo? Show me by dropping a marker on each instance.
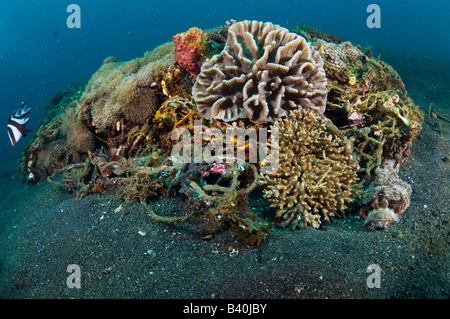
(316, 174)
(263, 73)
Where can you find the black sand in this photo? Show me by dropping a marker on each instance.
(124, 254)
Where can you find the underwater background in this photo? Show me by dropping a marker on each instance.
(40, 56)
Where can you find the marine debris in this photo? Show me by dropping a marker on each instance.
(338, 112)
(368, 102)
(433, 116)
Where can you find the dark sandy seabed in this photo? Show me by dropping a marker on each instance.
(124, 254)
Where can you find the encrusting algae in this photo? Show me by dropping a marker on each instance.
(339, 114)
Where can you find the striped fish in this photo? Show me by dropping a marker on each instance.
(17, 123)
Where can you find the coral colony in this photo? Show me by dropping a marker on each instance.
(250, 112)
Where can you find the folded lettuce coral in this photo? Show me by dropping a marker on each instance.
(263, 73)
(316, 175)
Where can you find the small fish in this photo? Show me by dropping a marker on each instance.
(17, 123)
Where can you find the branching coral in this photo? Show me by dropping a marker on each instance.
(316, 174)
(263, 73)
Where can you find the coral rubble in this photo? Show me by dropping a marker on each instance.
(263, 73)
(386, 198)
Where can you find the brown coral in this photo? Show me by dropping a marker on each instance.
(386, 199)
(125, 89)
(316, 174)
(340, 56)
(79, 139)
(136, 99)
(263, 73)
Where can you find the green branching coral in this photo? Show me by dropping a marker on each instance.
(316, 175)
(263, 73)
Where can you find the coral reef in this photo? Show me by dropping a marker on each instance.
(116, 135)
(263, 73)
(316, 174)
(173, 114)
(137, 100)
(48, 150)
(62, 100)
(340, 56)
(120, 88)
(386, 198)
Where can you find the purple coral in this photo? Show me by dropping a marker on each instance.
(219, 169)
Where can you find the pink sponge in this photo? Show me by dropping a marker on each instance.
(189, 48)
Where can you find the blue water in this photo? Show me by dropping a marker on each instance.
(40, 55)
